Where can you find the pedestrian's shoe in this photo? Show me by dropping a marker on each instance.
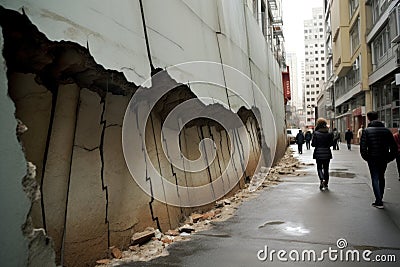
(321, 185)
(325, 184)
(378, 206)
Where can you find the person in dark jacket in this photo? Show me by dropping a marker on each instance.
(348, 136)
(378, 148)
(322, 141)
(336, 139)
(300, 141)
(308, 137)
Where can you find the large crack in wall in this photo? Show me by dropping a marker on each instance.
(74, 109)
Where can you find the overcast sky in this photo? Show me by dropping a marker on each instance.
(294, 13)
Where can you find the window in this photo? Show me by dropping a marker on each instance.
(322, 51)
(322, 58)
(321, 36)
(308, 93)
(321, 29)
(317, 85)
(308, 99)
(317, 79)
(353, 6)
(315, 52)
(313, 99)
(316, 59)
(323, 72)
(316, 72)
(313, 93)
(316, 65)
(320, 16)
(305, 31)
(355, 36)
(381, 45)
(316, 45)
(307, 86)
(317, 92)
(316, 36)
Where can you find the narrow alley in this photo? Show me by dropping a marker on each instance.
(296, 215)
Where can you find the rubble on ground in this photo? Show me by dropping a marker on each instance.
(151, 243)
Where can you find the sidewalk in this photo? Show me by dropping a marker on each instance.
(295, 215)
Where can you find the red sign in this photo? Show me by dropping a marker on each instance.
(286, 85)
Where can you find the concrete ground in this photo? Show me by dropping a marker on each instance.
(296, 217)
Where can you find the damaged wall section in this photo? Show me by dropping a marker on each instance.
(74, 109)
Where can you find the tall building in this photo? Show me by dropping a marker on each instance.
(291, 61)
(314, 65)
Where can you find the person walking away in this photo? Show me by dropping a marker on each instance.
(348, 136)
(336, 138)
(300, 141)
(359, 133)
(396, 137)
(308, 137)
(377, 148)
(322, 140)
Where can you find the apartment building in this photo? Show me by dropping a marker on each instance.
(314, 65)
(383, 40)
(363, 58)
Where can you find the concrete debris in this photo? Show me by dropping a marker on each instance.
(157, 234)
(196, 217)
(196, 222)
(186, 229)
(103, 261)
(142, 237)
(172, 233)
(116, 253)
(184, 234)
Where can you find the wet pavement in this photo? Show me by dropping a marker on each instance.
(297, 218)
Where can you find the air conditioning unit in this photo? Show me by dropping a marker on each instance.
(356, 64)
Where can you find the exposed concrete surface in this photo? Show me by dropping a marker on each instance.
(296, 215)
(67, 78)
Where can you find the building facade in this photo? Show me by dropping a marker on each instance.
(314, 65)
(383, 42)
(362, 61)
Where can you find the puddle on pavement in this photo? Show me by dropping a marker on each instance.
(215, 235)
(271, 223)
(342, 174)
(286, 227)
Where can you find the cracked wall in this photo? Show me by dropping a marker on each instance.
(71, 80)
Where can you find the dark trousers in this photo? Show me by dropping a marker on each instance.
(377, 170)
(300, 146)
(323, 169)
(349, 144)
(308, 144)
(336, 144)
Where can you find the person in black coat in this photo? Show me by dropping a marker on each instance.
(300, 141)
(322, 141)
(348, 136)
(377, 148)
(308, 137)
